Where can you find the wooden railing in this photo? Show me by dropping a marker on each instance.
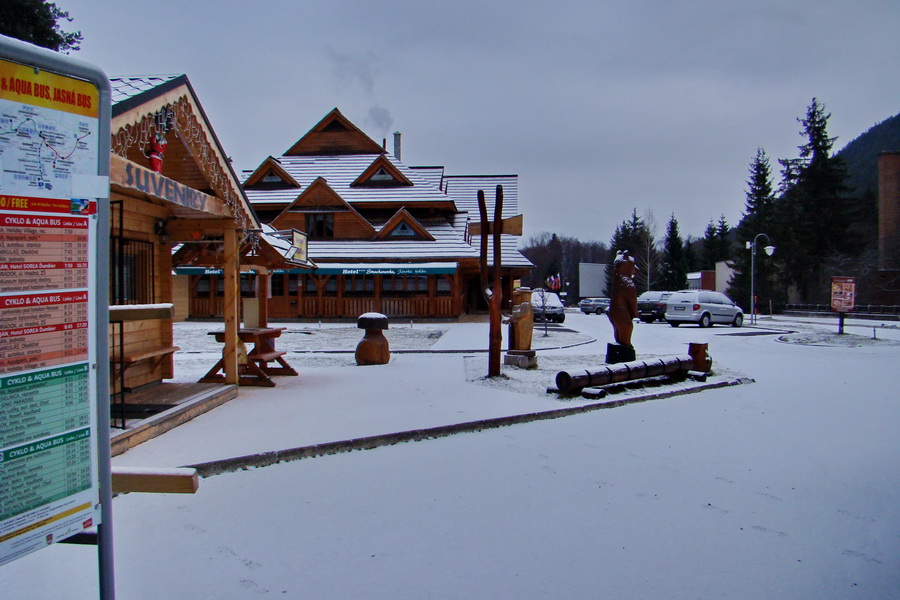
(332, 307)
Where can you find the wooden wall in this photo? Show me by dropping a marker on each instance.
(139, 218)
(181, 296)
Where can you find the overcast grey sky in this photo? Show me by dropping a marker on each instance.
(600, 107)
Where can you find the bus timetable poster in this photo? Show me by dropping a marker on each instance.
(48, 452)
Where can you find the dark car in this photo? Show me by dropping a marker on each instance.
(652, 306)
(596, 306)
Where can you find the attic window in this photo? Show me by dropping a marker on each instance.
(403, 230)
(381, 175)
(271, 181)
(335, 126)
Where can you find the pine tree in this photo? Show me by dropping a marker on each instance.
(723, 247)
(812, 209)
(710, 246)
(673, 274)
(757, 218)
(634, 235)
(691, 261)
(37, 22)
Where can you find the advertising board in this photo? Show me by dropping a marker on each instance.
(843, 294)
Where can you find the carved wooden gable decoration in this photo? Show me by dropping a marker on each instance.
(167, 120)
(334, 134)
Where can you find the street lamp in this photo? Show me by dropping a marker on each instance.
(770, 250)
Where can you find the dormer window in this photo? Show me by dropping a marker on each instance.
(382, 175)
(403, 230)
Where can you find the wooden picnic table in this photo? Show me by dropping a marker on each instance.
(256, 369)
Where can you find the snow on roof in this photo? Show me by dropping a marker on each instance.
(449, 230)
(414, 250)
(463, 190)
(124, 88)
(340, 171)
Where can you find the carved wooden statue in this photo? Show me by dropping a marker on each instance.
(521, 320)
(623, 298)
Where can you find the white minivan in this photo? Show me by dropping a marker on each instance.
(702, 307)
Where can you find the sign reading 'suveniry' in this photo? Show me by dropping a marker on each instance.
(48, 451)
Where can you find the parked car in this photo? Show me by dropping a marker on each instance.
(547, 306)
(596, 306)
(704, 308)
(652, 306)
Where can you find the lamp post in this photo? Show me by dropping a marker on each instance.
(770, 250)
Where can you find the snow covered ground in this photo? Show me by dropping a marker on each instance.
(782, 488)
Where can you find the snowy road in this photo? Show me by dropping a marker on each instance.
(786, 488)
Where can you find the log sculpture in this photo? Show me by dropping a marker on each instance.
(373, 349)
(697, 359)
(622, 307)
(521, 320)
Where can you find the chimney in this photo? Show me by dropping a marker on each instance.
(397, 145)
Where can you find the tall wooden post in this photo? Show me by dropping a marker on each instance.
(495, 300)
(262, 295)
(231, 307)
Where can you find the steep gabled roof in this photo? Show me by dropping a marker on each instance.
(270, 167)
(319, 197)
(400, 217)
(381, 173)
(194, 155)
(341, 171)
(334, 134)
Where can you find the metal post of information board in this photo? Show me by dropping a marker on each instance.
(40, 83)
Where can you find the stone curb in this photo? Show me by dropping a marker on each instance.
(264, 459)
(454, 351)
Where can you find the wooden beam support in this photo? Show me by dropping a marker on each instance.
(194, 230)
(155, 481)
(509, 226)
(232, 305)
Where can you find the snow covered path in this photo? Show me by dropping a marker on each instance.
(786, 488)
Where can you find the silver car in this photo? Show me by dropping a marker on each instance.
(704, 308)
(596, 306)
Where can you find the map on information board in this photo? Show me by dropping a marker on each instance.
(42, 149)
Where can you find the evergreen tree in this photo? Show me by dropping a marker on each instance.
(634, 235)
(710, 247)
(757, 218)
(691, 261)
(812, 209)
(673, 274)
(723, 247)
(37, 22)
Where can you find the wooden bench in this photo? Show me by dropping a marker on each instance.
(131, 359)
(256, 371)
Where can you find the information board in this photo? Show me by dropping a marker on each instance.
(843, 294)
(49, 147)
